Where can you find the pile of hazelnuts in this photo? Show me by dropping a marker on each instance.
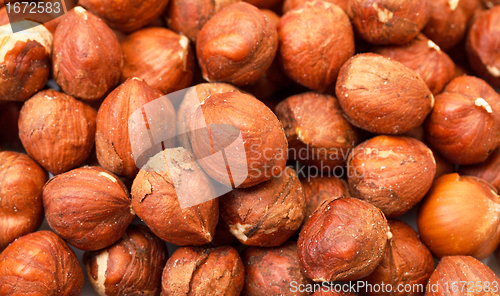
(275, 143)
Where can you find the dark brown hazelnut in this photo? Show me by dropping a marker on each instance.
(243, 131)
(266, 214)
(40, 263)
(486, 170)
(236, 45)
(175, 198)
(317, 132)
(389, 22)
(406, 262)
(187, 17)
(161, 57)
(197, 271)
(482, 45)
(21, 183)
(126, 15)
(392, 173)
(464, 126)
(426, 59)
(448, 21)
(292, 4)
(124, 122)
(57, 130)
(381, 95)
(131, 266)
(462, 275)
(271, 271)
(314, 41)
(89, 207)
(24, 60)
(343, 240)
(87, 58)
(264, 3)
(319, 189)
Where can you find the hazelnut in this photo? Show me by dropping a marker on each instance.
(482, 45)
(459, 216)
(448, 21)
(264, 3)
(89, 207)
(292, 4)
(236, 45)
(486, 170)
(193, 98)
(125, 119)
(243, 131)
(197, 271)
(87, 57)
(187, 17)
(319, 189)
(389, 22)
(464, 125)
(269, 271)
(175, 198)
(131, 266)
(314, 41)
(126, 15)
(40, 263)
(24, 60)
(315, 124)
(266, 214)
(161, 57)
(462, 272)
(426, 59)
(57, 130)
(392, 173)
(271, 16)
(344, 239)
(381, 95)
(21, 183)
(406, 261)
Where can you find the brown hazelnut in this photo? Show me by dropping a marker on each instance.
(161, 57)
(462, 275)
(381, 95)
(187, 17)
(482, 45)
(486, 170)
(236, 45)
(271, 16)
(389, 22)
(57, 130)
(317, 132)
(426, 59)
(392, 173)
(243, 131)
(448, 21)
(314, 41)
(126, 15)
(319, 189)
(406, 261)
(264, 3)
(193, 98)
(459, 216)
(24, 60)
(175, 198)
(266, 214)
(197, 271)
(464, 125)
(21, 183)
(40, 263)
(131, 266)
(343, 240)
(87, 57)
(292, 4)
(270, 271)
(89, 207)
(124, 121)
